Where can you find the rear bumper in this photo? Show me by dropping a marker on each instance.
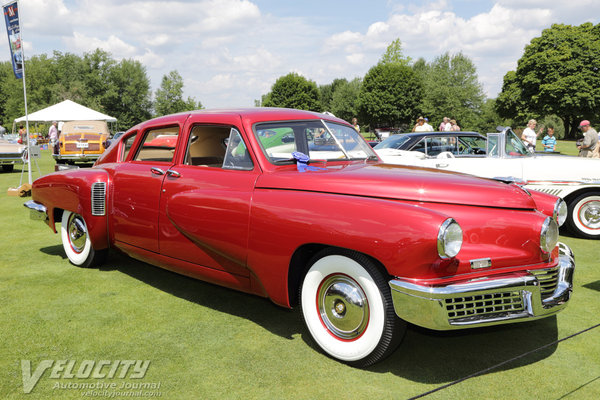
(76, 157)
(37, 211)
(499, 299)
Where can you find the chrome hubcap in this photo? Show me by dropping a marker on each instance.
(343, 306)
(589, 214)
(77, 233)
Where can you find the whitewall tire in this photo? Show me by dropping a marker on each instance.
(76, 241)
(347, 307)
(584, 215)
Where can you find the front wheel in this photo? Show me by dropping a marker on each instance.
(584, 215)
(76, 242)
(347, 306)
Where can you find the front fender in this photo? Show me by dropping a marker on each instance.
(72, 191)
(402, 237)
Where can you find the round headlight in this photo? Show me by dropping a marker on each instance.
(549, 235)
(450, 238)
(560, 212)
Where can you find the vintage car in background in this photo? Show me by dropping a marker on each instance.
(11, 152)
(503, 155)
(271, 202)
(81, 142)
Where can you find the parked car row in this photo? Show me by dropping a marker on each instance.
(502, 155)
(272, 202)
(11, 152)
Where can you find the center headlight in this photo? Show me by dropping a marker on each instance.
(549, 235)
(450, 238)
(560, 212)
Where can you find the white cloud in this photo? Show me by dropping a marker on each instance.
(117, 47)
(230, 52)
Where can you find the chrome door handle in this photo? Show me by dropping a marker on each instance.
(157, 171)
(441, 165)
(173, 173)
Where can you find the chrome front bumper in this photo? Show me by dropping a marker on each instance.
(498, 299)
(37, 211)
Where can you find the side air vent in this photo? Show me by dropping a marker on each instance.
(99, 198)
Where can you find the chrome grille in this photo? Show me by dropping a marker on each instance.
(548, 279)
(98, 198)
(484, 304)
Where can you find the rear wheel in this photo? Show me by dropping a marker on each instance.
(584, 215)
(76, 242)
(347, 306)
(8, 167)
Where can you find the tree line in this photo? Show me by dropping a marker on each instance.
(394, 92)
(557, 81)
(118, 88)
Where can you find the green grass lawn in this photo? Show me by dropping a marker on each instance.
(205, 341)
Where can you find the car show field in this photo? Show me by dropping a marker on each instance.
(205, 341)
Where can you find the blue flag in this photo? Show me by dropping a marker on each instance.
(11, 16)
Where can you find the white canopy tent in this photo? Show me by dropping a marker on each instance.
(67, 111)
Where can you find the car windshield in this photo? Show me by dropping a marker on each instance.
(514, 145)
(321, 140)
(393, 142)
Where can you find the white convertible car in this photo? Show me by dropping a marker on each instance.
(503, 156)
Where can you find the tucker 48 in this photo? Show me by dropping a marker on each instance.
(295, 206)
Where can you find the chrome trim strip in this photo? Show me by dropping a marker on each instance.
(426, 306)
(37, 211)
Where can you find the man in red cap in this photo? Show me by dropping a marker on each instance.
(589, 146)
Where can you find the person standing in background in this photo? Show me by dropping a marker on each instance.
(444, 125)
(355, 125)
(529, 136)
(589, 147)
(454, 126)
(549, 141)
(53, 136)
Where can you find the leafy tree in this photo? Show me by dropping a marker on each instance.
(488, 119)
(169, 96)
(326, 93)
(389, 96)
(557, 74)
(393, 54)
(293, 91)
(344, 103)
(128, 94)
(452, 90)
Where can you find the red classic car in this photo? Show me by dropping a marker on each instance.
(271, 202)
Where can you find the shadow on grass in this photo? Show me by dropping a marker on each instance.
(439, 357)
(56, 250)
(593, 285)
(424, 356)
(263, 312)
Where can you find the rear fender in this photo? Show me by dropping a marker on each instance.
(71, 190)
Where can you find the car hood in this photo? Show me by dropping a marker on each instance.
(401, 183)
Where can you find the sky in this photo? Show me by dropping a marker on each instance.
(230, 52)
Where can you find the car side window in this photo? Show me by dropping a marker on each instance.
(420, 146)
(158, 145)
(236, 155)
(127, 143)
(219, 147)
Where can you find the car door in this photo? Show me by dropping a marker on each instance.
(206, 197)
(137, 186)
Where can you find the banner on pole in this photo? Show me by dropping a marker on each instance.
(11, 17)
